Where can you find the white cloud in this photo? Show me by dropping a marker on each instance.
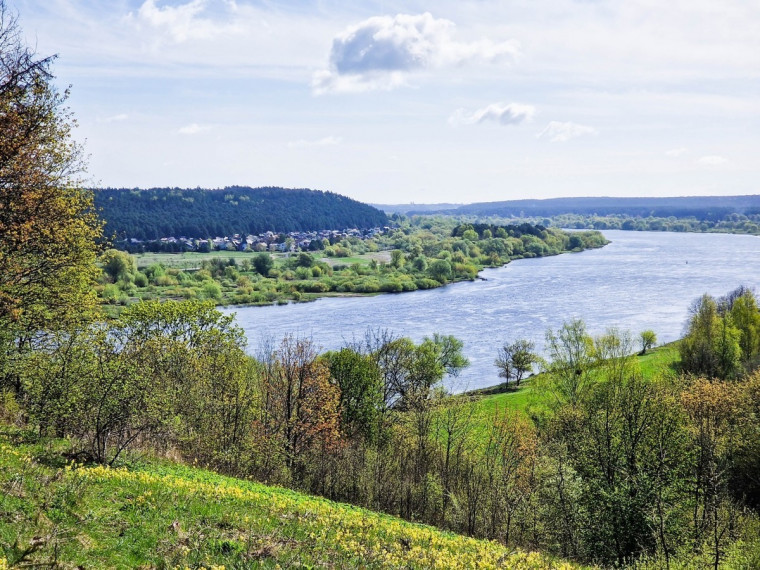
(328, 82)
(504, 114)
(712, 160)
(377, 52)
(183, 22)
(562, 132)
(114, 118)
(326, 141)
(193, 129)
(676, 152)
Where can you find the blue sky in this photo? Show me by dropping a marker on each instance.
(419, 101)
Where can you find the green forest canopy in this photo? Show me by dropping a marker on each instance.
(200, 213)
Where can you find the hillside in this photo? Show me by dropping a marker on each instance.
(657, 362)
(199, 213)
(159, 514)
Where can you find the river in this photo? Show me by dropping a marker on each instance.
(641, 280)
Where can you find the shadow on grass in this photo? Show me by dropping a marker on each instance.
(503, 388)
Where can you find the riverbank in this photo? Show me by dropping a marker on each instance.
(640, 281)
(416, 259)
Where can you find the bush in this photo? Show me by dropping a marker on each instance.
(313, 286)
(391, 286)
(211, 290)
(425, 283)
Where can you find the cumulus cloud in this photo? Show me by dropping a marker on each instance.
(378, 52)
(712, 160)
(193, 129)
(504, 114)
(562, 132)
(182, 22)
(326, 141)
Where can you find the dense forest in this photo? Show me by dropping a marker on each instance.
(162, 212)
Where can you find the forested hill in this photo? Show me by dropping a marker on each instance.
(162, 212)
(711, 208)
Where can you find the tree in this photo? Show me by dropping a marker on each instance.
(746, 317)
(301, 405)
(627, 445)
(304, 260)
(516, 359)
(571, 352)
(711, 345)
(86, 386)
(263, 263)
(47, 221)
(118, 264)
(715, 412)
(361, 392)
(647, 339)
(440, 270)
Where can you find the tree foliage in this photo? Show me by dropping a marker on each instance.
(48, 226)
(515, 359)
(647, 339)
(711, 346)
(571, 359)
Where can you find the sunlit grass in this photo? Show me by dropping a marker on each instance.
(656, 362)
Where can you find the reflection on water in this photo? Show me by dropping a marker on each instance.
(642, 280)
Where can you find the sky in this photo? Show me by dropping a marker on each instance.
(389, 102)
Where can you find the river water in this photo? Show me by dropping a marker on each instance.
(641, 280)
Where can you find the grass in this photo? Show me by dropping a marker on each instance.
(660, 360)
(363, 259)
(191, 259)
(157, 514)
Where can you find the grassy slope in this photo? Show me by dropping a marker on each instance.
(162, 515)
(654, 362)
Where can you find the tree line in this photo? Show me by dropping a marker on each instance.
(731, 222)
(702, 208)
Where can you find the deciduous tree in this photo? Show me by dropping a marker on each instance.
(647, 339)
(48, 226)
(516, 359)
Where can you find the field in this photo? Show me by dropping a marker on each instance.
(193, 260)
(163, 515)
(363, 259)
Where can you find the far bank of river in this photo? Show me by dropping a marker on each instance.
(642, 280)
